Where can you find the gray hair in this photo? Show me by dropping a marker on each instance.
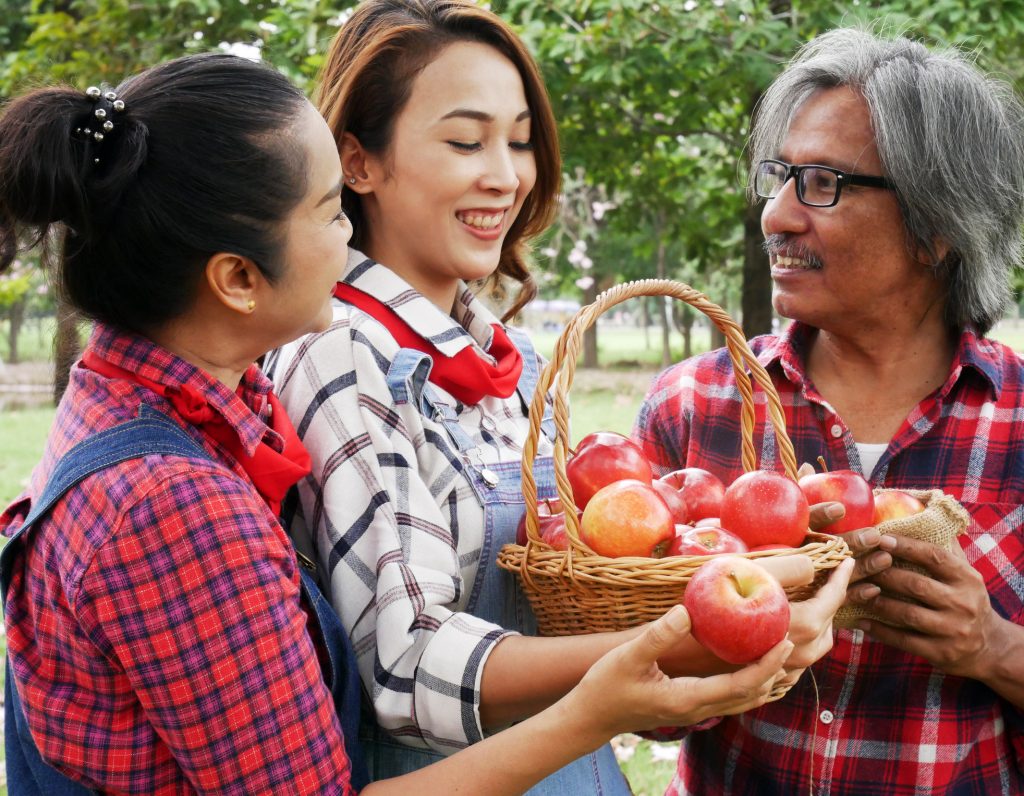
(950, 138)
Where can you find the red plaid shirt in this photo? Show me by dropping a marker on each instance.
(883, 721)
(154, 624)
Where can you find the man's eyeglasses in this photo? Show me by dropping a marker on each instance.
(816, 186)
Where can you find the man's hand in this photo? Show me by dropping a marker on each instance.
(955, 627)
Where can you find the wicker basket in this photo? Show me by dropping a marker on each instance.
(577, 591)
(942, 520)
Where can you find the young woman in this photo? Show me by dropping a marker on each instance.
(157, 628)
(413, 404)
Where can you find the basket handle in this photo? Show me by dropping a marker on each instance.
(563, 364)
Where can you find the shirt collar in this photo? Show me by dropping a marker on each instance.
(470, 324)
(979, 354)
(247, 411)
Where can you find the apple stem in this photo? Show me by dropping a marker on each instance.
(738, 582)
(821, 461)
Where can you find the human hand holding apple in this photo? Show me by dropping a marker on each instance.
(845, 487)
(737, 609)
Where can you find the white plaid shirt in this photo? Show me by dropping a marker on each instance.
(396, 526)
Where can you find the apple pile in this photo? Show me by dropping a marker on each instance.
(863, 507)
(626, 511)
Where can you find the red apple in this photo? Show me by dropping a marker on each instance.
(674, 500)
(846, 487)
(555, 534)
(708, 522)
(891, 504)
(626, 518)
(547, 512)
(601, 458)
(763, 507)
(762, 547)
(704, 541)
(737, 609)
(703, 491)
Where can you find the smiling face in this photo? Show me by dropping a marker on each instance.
(316, 238)
(441, 200)
(845, 267)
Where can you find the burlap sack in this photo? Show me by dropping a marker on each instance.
(942, 520)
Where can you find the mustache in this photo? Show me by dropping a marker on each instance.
(781, 244)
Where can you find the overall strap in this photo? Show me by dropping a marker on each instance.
(149, 433)
(529, 378)
(407, 380)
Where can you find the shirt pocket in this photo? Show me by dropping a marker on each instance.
(995, 547)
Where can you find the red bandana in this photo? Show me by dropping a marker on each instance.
(272, 473)
(465, 375)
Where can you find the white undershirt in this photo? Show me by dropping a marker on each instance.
(870, 453)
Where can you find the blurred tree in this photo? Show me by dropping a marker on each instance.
(654, 100)
(84, 42)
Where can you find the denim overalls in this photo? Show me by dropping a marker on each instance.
(151, 432)
(495, 594)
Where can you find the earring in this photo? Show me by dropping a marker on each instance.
(352, 180)
(251, 305)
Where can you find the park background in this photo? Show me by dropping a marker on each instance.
(653, 101)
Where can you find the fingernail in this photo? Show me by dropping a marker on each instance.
(677, 618)
(887, 542)
(869, 538)
(834, 511)
(869, 592)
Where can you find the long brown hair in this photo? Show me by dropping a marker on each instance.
(367, 80)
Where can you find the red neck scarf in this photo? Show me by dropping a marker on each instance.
(465, 375)
(272, 473)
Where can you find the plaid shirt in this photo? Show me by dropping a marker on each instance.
(883, 721)
(391, 510)
(154, 624)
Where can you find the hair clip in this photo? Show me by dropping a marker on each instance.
(101, 114)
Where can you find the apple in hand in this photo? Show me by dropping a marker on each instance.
(846, 487)
(710, 522)
(763, 507)
(626, 518)
(737, 610)
(891, 504)
(704, 541)
(601, 458)
(703, 491)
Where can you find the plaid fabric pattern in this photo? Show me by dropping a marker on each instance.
(391, 509)
(154, 624)
(882, 722)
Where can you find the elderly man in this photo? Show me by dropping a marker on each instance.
(895, 184)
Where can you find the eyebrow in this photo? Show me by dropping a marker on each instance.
(480, 116)
(334, 193)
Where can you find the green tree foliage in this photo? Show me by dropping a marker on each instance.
(654, 99)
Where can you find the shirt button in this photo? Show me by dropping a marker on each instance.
(836, 430)
(826, 717)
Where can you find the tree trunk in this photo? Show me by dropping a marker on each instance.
(666, 341)
(684, 320)
(645, 319)
(16, 317)
(757, 279)
(66, 347)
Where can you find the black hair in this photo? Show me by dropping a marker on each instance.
(202, 159)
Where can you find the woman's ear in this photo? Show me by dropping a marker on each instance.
(234, 281)
(355, 165)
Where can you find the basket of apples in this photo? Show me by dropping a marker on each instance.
(618, 547)
(928, 515)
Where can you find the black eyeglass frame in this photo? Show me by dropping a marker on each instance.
(843, 178)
